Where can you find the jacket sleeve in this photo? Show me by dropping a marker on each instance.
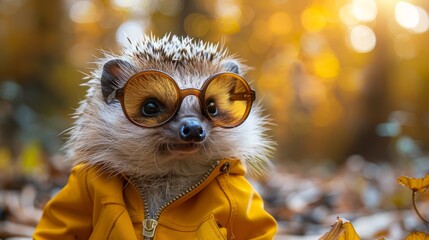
(250, 220)
(69, 214)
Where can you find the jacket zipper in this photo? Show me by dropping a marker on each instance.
(150, 224)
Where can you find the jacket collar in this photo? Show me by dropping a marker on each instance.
(134, 202)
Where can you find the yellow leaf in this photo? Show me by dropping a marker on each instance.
(416, 184)
(341, 230)
(350, 233)
(417, 236)
(335, 231)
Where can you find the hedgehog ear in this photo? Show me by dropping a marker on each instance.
(114, 72)
(232, 66)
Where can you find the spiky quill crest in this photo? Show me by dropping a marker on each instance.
(102, 135)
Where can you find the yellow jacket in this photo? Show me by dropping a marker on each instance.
(99, 206)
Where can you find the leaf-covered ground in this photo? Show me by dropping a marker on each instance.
(308, 202)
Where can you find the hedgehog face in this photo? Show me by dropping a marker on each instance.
(170, 122)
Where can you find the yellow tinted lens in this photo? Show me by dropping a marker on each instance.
(150, 98)
(228, 100)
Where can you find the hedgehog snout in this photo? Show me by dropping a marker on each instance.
(191, 130)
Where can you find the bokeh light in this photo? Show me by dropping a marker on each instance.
(326, 65)
(228, 9)
(84, 12)
(412, 17)
(130, 29)
(228, 16)
(312, 43)
(125, 3)
(313, 19)
(347, 16)
(364, 10)
(362, 39)
(423, 24)
(406, 14)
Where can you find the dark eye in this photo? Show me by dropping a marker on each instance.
(211, 108)
(151, 108)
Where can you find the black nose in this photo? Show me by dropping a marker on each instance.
(192, 131)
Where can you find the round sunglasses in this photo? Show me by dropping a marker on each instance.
(152, 98)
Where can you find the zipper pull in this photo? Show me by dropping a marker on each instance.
(149, 226)
(225, 168)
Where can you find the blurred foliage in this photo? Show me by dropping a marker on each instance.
(346, 83)
(417, 236)
(340, 78)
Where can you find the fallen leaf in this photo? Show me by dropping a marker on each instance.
(350, 233)
(335, 231)
(417, 236)
(416, 184)
(341, 230)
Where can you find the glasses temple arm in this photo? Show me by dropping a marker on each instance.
(243, 96)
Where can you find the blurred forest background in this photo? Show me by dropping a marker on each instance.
(345, 81)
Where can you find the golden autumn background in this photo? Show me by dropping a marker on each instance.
(346, 83)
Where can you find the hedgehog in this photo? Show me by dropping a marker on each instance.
(167, 132)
